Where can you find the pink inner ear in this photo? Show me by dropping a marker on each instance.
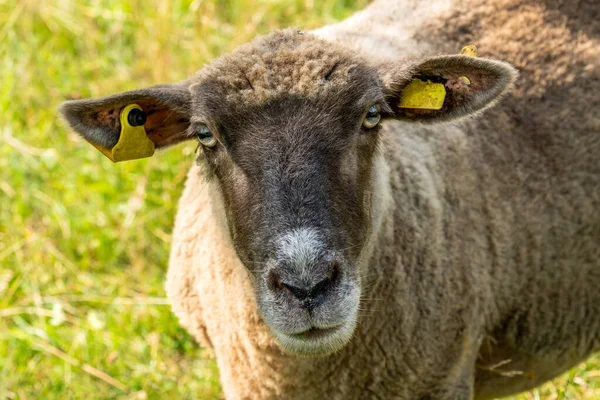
(166, 127)
(479, 80)
(460, 84)
(108, 118)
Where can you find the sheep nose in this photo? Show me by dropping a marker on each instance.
(309, 293)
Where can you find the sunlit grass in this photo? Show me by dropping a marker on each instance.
(83, 242)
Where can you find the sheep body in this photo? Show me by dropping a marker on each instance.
(487, 236)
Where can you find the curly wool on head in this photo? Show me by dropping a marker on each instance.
(287, 62)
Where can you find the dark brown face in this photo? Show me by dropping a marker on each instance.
(296, 179)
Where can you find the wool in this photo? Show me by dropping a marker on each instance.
(284, 62)
(489, 228)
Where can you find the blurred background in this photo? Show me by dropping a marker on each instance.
(84, 242)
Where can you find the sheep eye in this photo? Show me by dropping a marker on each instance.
(372, 117)
(205, 136)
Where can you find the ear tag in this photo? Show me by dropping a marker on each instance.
(423, 95)
(133, 142)
(469, 50)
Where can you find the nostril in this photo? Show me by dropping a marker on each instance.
(299, 293)
(327, 283)
(320, 287)
(310, 296)
(277, 285)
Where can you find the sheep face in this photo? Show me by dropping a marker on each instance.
(293, 161)
(289, 133)
(295, 176)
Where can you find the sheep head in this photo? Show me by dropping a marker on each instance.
(289, 127)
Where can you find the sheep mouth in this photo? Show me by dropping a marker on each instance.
(315, 342)
(314, 333)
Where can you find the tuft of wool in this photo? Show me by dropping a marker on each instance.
(289, 62)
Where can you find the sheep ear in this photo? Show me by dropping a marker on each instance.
(164, 117)
(446, 88)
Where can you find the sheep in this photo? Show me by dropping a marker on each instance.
(331, 243)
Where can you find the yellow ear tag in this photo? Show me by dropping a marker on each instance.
(133, 142)
(469, 50)
(423, 95)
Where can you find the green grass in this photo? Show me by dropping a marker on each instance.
(83, 242)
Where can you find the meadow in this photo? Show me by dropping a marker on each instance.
(84, 242)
